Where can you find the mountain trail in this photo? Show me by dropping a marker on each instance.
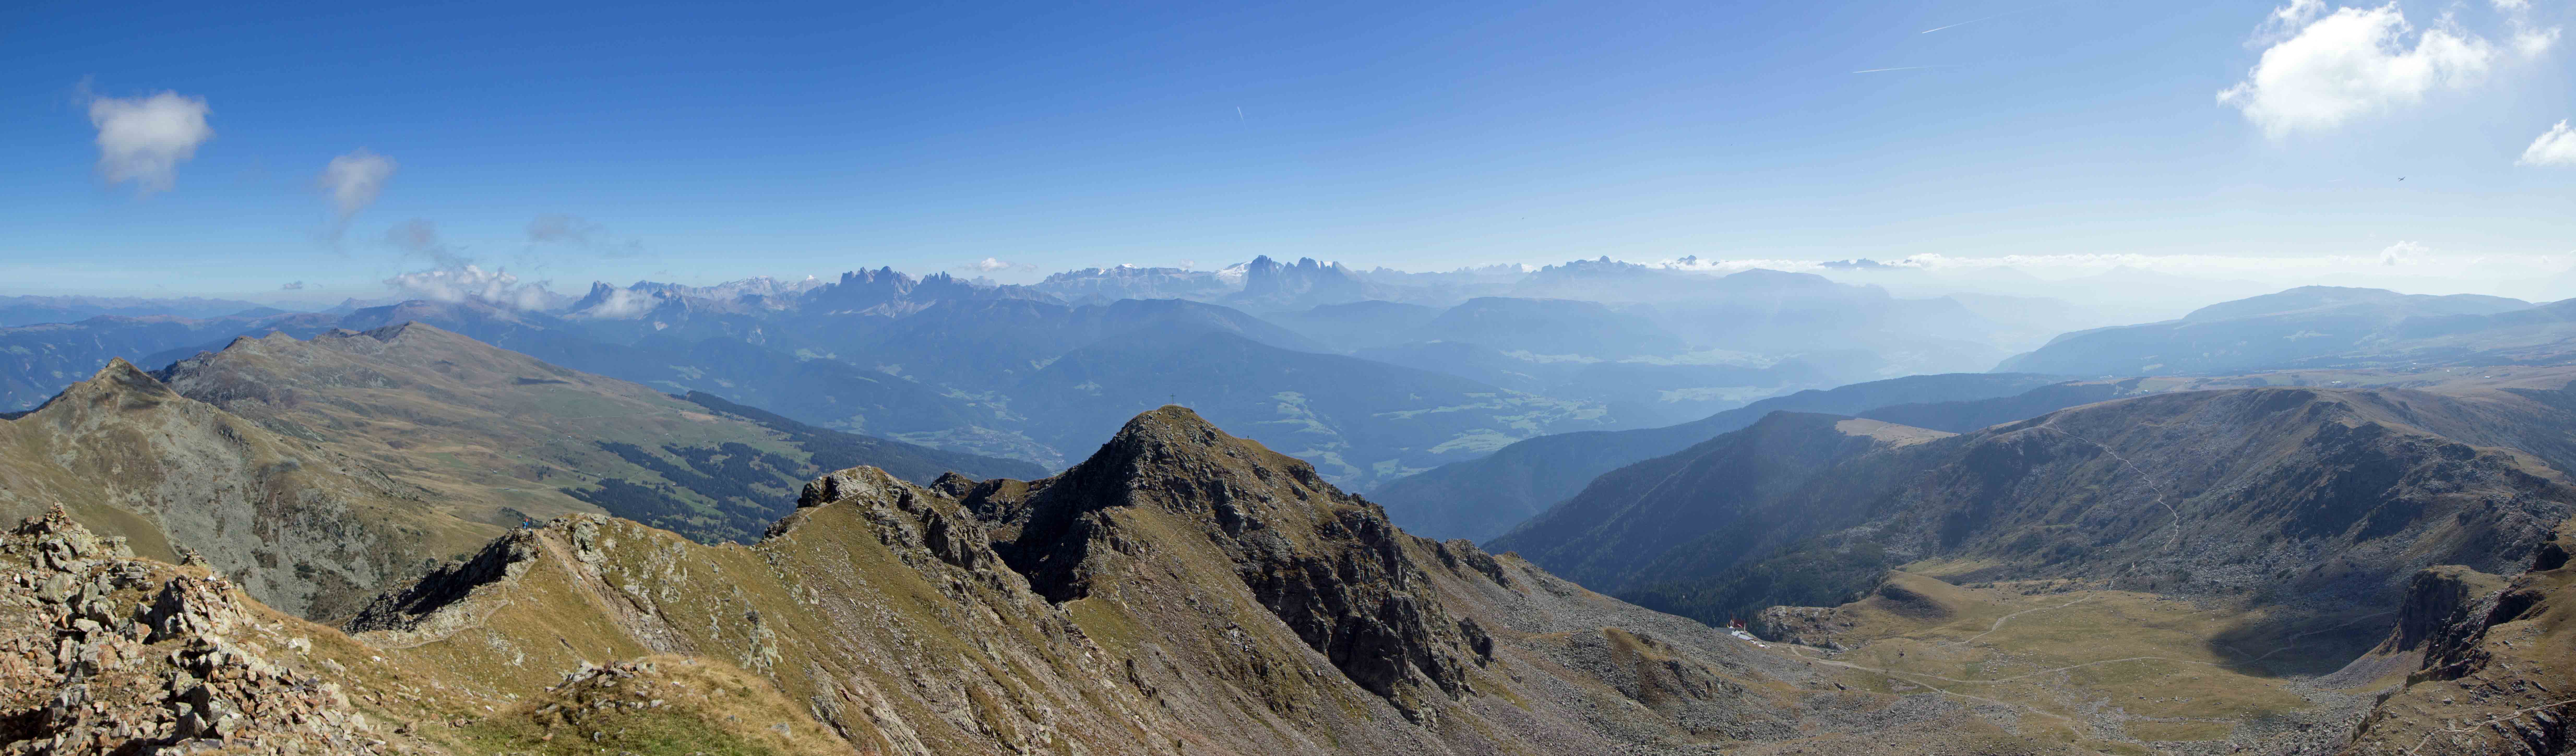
(1999, 621)
(2174, 535)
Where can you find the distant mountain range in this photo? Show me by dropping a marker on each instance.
(2318, 327)
(32, 310)
(959, 364)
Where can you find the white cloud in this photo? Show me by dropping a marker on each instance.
(2513, 6)
(2402, 253)
(471, 282)
(2555, 148)
(144, 139)
(2532, 42)
(292, 286)
(454, 277)
(989, 265)
(622, 303)
(2352, 62)
(356, 179)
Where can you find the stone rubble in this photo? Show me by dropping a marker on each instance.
(104, 653)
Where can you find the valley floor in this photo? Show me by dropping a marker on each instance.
(2103, 671)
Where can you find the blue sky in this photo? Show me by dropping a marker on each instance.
(700, 143)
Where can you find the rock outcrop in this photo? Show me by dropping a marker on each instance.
(103, 653)
(2437, 607)
(2497, 674)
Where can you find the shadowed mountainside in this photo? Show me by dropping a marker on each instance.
(2318, 497)
(1481, 498)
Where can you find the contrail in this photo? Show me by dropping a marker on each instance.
(1971, 21)
(1900, 68)
(1238, 112)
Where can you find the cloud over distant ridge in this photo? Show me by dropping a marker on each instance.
(144, 139)
(454, 277)
(474, 283)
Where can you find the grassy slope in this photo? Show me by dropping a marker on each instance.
(2102, 670)
(303, 526)
(501, 437)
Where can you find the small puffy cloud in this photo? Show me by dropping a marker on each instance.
(292, 286)
(2402, 253)
(2329, 68)
(2555, 148)
(356, 179)
(572, 230)
(144, 139)
(988, 265)
(2529, 40)
(2532, 41)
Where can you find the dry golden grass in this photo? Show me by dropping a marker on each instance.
(2151, 661)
